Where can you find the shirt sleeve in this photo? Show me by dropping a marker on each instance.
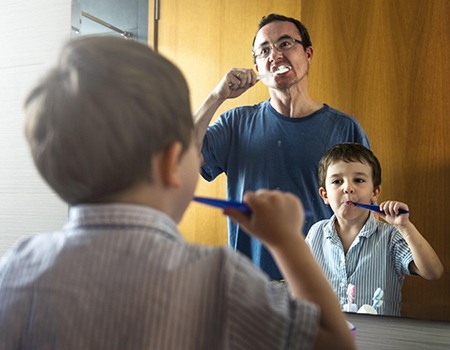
(216, 147)
(402, 254)
(313, 240)
(264, 316)
(360, 136)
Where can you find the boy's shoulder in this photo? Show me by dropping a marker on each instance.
(321, 228)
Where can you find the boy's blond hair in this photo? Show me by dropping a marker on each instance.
(97, 119)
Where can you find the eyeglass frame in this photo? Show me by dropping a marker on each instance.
(272, 46)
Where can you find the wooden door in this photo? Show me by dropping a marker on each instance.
(206, 39)
(388, 63)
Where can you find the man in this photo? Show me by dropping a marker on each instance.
(277, 143)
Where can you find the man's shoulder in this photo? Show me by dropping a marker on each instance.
(248, 109)
(347, 124)
(335, 112)
(243, 117)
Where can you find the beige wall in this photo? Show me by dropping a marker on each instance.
(32, 32)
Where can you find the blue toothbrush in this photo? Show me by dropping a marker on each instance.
(376, 208)
(222, 203)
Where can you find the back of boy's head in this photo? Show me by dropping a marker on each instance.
(349, 153)
(97, 119)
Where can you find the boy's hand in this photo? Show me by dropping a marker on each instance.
(275, 216)
(392, 215)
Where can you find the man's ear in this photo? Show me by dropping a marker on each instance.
(170, 160)
(376, 193)
(324, 195)
(309, 53)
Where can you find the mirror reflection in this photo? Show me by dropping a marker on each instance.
(128, 19)
(386, 64)
(378, 69)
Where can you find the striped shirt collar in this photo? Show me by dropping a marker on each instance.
(121, 216)
(367, 230)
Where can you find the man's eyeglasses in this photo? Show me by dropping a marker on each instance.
(284, 44)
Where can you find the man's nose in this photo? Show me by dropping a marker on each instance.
(274, 52)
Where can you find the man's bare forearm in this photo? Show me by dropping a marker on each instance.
(203, 116)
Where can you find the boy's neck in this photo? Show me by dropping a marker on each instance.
(145, 194)
(348, 230)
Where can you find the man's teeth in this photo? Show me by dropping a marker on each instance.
(281, 69)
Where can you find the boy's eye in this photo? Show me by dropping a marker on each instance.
(359, 180)
(336, 182)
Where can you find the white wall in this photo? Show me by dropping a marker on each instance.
(31, 34)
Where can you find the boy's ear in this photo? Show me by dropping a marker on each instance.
(324, 195)
(170, 174)
(376, 193)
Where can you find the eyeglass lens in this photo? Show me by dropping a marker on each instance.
(281, 45)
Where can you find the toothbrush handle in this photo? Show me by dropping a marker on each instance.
(377, 208)
(263, 76)
(220, 203)
(241, 206)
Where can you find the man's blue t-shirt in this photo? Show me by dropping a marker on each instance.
(257, 147)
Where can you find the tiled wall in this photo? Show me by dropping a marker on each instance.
(32, 32)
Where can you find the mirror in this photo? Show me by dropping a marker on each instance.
(386, 63)
(111, 17)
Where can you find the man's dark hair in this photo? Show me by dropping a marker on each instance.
(273, 17)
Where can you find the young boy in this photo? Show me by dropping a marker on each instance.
(110, 129)
(353, 247)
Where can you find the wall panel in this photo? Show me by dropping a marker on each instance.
(206, 40)
(388, 63)
(32, 34)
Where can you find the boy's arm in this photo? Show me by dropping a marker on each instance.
(232, 85)
(425, 262)
(277, 220)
